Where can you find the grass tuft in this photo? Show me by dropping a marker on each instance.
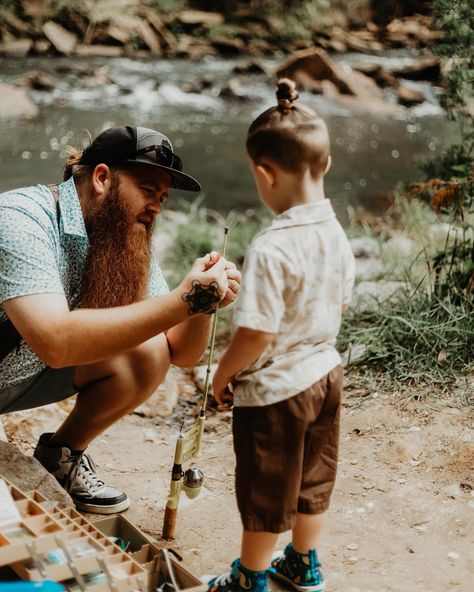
(415, 340)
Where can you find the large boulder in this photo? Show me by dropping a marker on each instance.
(200, 17)
(312, 69)
(37, 79)
(250, 67)
(125, 27)
(100, 51)
(26, 473)
(365, 247)
(15, 103)
(229, 46)
(25, 427)
(377, 73)
(61, 39)
(367, 254)
(408, 97)
(369, 294)
(316, 63)
(16, 48)
(424, 69)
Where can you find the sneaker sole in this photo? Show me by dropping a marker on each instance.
(115, 509)
(282, 578)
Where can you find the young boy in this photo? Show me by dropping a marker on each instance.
(285, 373)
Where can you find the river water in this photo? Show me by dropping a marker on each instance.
(370, 153)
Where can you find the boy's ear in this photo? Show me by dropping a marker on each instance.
(266, 174)
(328, 165)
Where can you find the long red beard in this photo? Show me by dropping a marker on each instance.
(117, 265)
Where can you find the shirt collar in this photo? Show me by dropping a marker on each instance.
(312, 213)
(72, 219)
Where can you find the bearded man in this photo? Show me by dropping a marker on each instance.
(84, 306)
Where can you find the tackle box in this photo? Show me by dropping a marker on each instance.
(40, 541)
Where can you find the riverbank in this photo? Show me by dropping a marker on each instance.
(177, 29)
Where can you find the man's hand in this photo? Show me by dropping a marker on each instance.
(233, 279)
(205, 285)
(212, 280)
(220, 389)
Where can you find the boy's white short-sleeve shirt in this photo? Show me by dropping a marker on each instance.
(297, 275)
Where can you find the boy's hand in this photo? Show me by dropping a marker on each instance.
(221, 391)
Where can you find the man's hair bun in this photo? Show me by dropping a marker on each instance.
(286, 94)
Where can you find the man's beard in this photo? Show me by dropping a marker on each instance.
(117, 266)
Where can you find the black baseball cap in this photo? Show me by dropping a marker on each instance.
(139, 145)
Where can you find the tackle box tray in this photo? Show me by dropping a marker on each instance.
(48, 542)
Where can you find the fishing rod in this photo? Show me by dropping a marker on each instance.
(189, 445)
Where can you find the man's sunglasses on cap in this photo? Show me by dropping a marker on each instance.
(164, 156)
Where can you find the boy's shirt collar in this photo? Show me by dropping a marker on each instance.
(301, 215)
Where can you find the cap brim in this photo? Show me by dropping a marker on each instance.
(179, 180)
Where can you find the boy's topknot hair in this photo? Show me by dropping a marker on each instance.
(286, 94)
(292, 136)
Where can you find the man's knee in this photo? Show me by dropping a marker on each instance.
(148, 363)
(139, 370)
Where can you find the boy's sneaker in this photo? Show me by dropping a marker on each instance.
(239, 578)
(301, 572)
(77, 474)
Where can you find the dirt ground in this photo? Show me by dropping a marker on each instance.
(402, 516)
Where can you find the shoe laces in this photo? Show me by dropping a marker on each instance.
(226, 578)
(84, 471)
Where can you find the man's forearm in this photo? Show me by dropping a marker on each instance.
(188, 340)
(86, 336)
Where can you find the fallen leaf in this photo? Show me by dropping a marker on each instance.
(442, 356)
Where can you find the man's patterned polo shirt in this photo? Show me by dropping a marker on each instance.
(40, 253)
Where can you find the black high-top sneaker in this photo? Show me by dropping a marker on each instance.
(77, 474)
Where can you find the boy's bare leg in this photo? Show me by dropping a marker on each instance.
(257, 549)
(110, 389)
(307, 532)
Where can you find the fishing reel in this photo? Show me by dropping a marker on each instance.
(190, 481)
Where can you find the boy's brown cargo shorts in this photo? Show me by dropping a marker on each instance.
(287, 456)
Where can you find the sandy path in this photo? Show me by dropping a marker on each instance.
(402, 517)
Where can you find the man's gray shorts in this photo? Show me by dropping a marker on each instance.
(48, 386)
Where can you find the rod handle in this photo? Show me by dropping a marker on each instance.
(169, 523)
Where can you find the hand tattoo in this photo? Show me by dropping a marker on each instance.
(202, 298)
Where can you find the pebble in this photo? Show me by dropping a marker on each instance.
(352, 546)
(150, 435)
(353, 558)
(414, 429)
(360, 511)
(370, 505)
(401, 481)
(354, 462)
(421, 528)
(453, 555)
